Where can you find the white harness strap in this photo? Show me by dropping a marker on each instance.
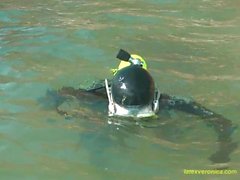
(156, 101)
(111, 109)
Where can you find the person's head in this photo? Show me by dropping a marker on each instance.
(132, 92)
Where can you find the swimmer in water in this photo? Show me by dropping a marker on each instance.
(132, 93)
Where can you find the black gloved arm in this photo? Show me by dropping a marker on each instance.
(222, 126)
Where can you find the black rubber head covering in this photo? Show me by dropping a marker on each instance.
(132, 86)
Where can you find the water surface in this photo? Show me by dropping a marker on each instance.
(192, 49)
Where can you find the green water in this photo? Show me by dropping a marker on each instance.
(192, 49)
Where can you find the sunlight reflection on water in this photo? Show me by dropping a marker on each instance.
(192, 49)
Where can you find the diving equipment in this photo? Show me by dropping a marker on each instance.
(132, 93)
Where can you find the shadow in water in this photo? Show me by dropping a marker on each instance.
(92, 105)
